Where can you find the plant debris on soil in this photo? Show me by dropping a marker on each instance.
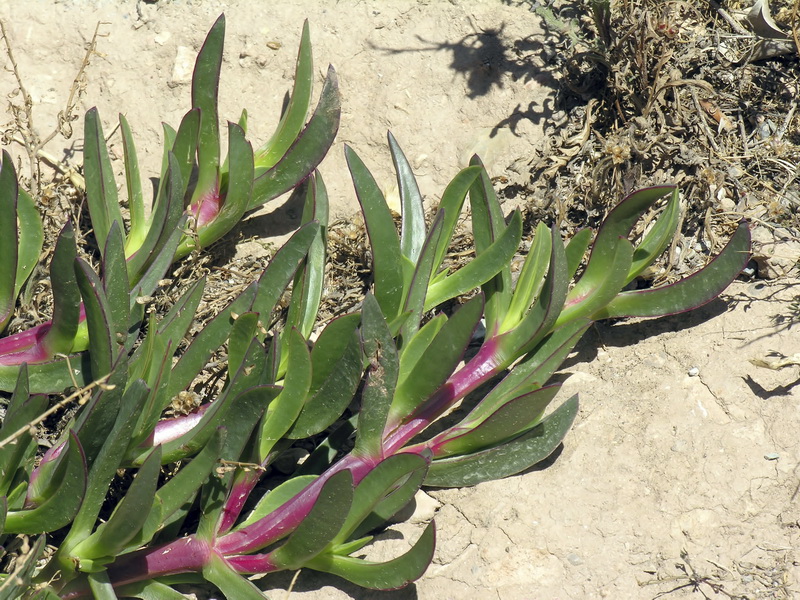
(685, 93)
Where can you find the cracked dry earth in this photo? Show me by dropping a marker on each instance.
(680, 478)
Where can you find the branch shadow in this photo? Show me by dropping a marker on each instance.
(486, 58)
(622, 333)
(765, 394)
(309, 581)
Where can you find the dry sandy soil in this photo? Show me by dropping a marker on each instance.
(670, 485)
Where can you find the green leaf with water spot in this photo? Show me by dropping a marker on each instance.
(380, 387)
(320, 526)
(507, 459)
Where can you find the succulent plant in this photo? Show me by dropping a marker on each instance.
(363, 392)
(182, 218)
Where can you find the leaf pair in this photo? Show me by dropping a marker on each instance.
(407, 268)
(21, 238)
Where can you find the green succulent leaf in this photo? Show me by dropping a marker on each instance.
(535, 369)
(112, 447)
(116, 286)
(413, 351)
(385, 244)
(307, 150)
(112, 537)
(294, 117)
(379, 389)
(157, 267)
(101, 586)
(183, 144)
(511, 419)
(166, 334)
(166, 222)
(18, 453)
(133, 182)
(237, 413)
(657, 238)
(237, 195)
(611, 251)
(452, 200)
(438, 361)
(323, 522)
(99, 414)
(599, 285)
(688, 293)
(418, 285)
(336, 372)
(31, 238)
(149, 590)
(480, 270)
(543, 315)
(243, 331)
(576, 250)
(309, 280)
(487, 225)
(390, 504)
(388, 477)
(57, 510)
(104, 348)
(531, 278)
(205, 87)
(412, 213)
(66, 295)
(101, 188)
(173, 498)
(260, 297)
(507, 459)
(156, 379)
(232, 585)
(285, 409)
(9, 192)
(390, 575)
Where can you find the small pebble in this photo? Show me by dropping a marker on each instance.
(694, 372)
(772, 456)
(574, 559)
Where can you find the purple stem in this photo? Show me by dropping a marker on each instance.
(280, 522)
(29, 346)
(171, 429)
(253, 563)
(207, 207)
(184, 555)
(240, 491)
(483, 366)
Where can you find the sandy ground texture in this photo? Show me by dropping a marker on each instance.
(680, 478)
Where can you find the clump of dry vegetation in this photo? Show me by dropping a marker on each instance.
(701, 95)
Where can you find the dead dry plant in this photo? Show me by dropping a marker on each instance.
(671, 92)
